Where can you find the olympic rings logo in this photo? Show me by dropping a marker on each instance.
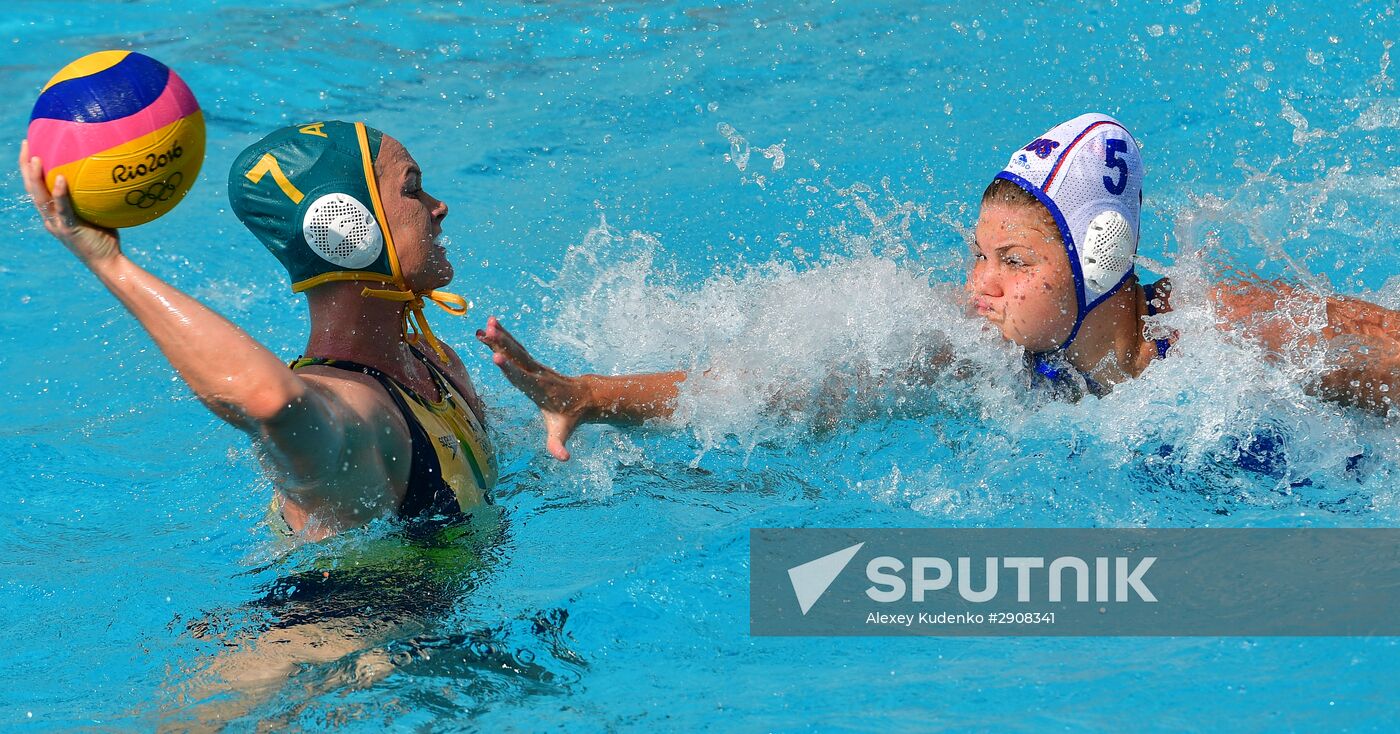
(145, 198)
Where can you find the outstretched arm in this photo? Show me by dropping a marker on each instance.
(1362, 339)
(240, 380)
(566, 401)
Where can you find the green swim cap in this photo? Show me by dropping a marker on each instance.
(309, 194)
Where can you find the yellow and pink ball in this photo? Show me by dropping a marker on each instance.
(125, 131)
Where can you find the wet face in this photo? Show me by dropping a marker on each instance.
(414, 218)
(1020, 279)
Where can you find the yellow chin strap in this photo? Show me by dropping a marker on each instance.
(415, 324)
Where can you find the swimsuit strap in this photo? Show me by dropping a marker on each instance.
(446, 385)
(426, 487)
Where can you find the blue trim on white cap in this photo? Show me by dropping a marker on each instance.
(1132, 270)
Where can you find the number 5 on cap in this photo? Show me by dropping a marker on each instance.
(1111, 150)
(268, 164)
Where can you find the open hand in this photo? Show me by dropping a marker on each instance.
(562, 400)
(92, 244)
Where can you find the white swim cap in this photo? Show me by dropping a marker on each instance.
(1088, 173)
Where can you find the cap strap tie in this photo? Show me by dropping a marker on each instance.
(415, 324)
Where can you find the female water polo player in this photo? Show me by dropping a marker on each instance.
(1053, 271)
(367, 424)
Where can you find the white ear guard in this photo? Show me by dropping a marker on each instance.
(1108, 251)
(342, 231)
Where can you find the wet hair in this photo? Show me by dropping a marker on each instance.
(1004, 192)
(1001, 191)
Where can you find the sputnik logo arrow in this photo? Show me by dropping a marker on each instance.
(811, 579)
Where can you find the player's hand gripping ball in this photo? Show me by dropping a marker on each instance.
(125, 131)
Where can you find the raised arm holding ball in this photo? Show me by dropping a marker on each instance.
(367, 424)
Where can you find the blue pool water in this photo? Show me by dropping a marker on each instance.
(777, 190)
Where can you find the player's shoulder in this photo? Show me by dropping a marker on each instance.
(352, 391)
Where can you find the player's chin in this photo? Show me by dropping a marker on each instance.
(1029, 342)
(1035, 343)
(445, 274)
(1008, 333)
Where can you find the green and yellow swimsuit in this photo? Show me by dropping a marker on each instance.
(453, 467)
